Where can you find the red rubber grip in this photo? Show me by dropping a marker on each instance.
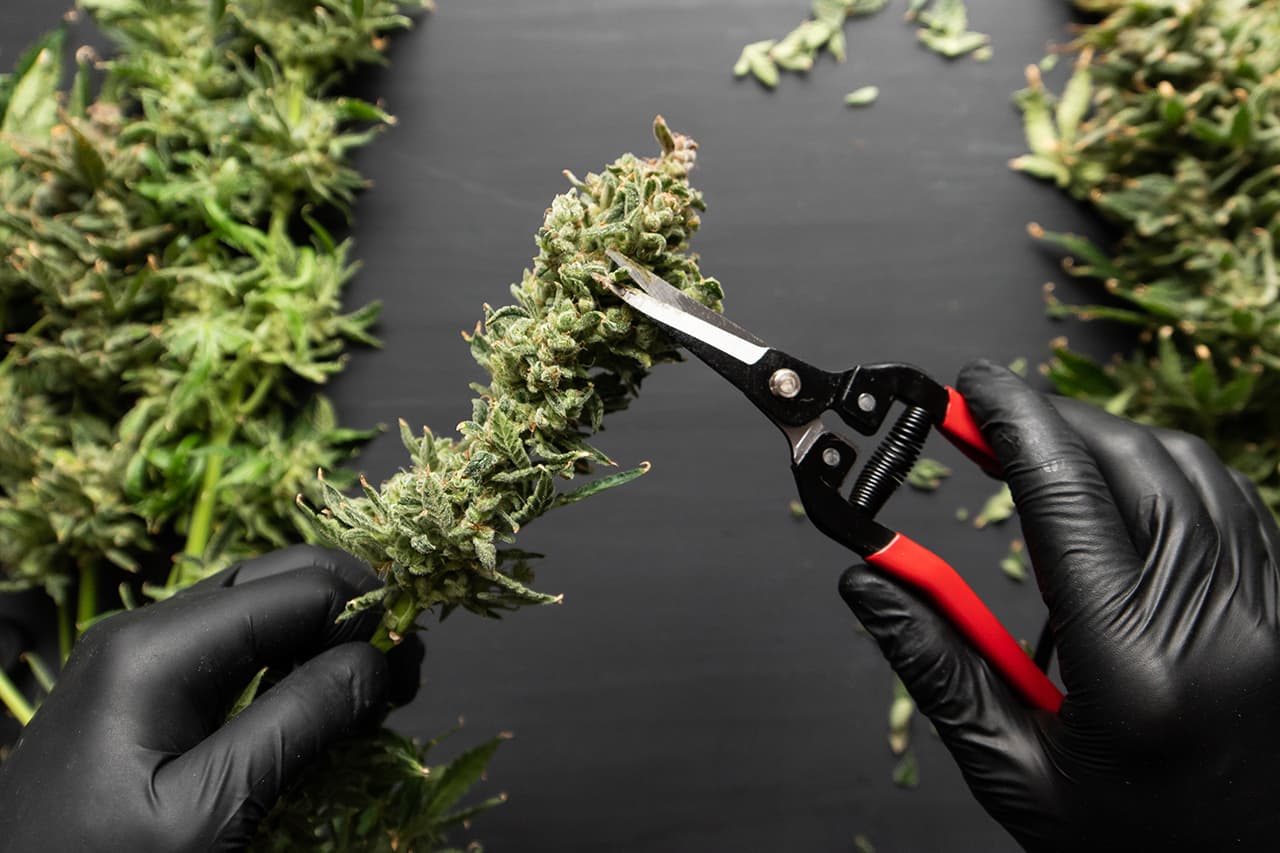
(962, 430)
(931, 575)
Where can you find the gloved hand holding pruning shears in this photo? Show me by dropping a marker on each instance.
(1157, 563)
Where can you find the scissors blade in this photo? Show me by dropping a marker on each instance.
(669, 307)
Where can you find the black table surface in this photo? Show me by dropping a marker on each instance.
(702, 687)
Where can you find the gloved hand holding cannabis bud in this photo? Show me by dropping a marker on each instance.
(133, 750)
(1159, 568)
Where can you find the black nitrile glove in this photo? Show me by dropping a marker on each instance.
(132, 751)
(1159, 568)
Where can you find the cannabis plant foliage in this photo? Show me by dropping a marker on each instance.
(168, 299)
(166, 328)
(378, 794)
(564, 354)
(1170, 128)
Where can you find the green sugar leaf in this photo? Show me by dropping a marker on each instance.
(906, 773)
(952, 45)
(901, 711)
(946, 17)
(862, 97)
(1014, 564)
(799, 49)
(1039, 166)
(28, 102)
(927, 474)
(998, 508)
(455, 779)
(1075, 100)
(247, 695)
(601, 484)
(756, 61)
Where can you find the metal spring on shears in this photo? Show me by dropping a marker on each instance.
(892, 460)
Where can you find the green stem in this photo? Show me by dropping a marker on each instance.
(44, 675)
(201, 526)
(264, 387)
(202, 516)
(399, 620)
(14, 700)
(87, 597)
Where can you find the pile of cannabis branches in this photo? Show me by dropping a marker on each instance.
(560, 358)
(1169, 127)
(169, 298)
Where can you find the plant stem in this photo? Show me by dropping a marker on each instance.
(14, 700)
(87, 597)
(399, 620)
(206, 502)
(201, 524)
(264, 387)
(44, 676)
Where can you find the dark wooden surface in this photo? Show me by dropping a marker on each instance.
(702, 688)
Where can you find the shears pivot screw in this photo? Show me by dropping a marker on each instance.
(831, 456)
(784, 383)
(866, 402)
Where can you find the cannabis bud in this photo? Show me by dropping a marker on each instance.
(562, 356)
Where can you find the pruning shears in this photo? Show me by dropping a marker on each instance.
(794, 395)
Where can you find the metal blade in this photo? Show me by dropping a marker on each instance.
(676, 320)
(666, 294)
